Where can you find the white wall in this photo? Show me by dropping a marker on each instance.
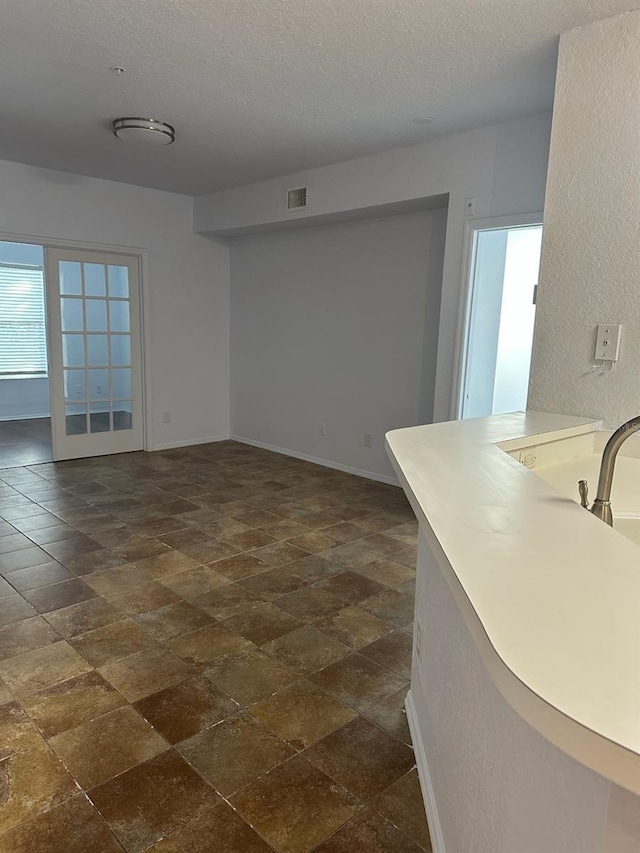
(503, 167)
(590, 269)
(517, 317)
(499, 786)
(24, 398)
(331, 325)
(484, 325)
(187, 291)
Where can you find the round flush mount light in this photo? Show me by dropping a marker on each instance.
(424, 120)
(148, 130)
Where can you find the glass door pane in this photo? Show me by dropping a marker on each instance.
(96, 353)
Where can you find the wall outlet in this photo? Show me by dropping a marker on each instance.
(419, 640)
(166, 417)
(323, 429)
(528, 458)
(368, 439)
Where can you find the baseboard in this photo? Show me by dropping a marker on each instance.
(326, 463)
(170, 445)
(25, 417)
(435, 830)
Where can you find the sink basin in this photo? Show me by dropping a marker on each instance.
(629, 526)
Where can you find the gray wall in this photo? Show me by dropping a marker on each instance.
(337, 325)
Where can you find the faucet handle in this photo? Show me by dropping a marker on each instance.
(583, 488)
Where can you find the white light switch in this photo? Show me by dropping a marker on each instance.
(608, 342)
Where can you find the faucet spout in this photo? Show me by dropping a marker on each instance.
(602, 504)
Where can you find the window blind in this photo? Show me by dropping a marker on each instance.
(23, 342)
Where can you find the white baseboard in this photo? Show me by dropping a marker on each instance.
(170, 445)
(326, 463)
(25, 417)
(435, 830)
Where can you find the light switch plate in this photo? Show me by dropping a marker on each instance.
(608, 342)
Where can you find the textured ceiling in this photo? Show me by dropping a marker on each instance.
(258, 88)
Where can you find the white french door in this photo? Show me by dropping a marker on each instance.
(93, 303)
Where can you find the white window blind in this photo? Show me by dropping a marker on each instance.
(23, 342)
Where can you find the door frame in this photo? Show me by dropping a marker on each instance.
(143, 266)
(465, 302)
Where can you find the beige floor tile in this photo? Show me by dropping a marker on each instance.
(306, 649)
(70, 703)
(295, 806)
(25, 636)
(362, 758)
(112, 642)
(209, 645)
(106, 746)
(234, 753)
(145, 673)
(151, 800)
(72, 827)
(354, 627)
(17, 732)
(34, 780)
(301, 714)
(250, 677)
(219, 821)
(181, 711)
(32, 671)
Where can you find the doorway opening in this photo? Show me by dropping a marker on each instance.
(71, 367)
(25, 408)
(504, 261)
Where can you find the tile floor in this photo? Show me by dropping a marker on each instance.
(25, 442)
(205, 649)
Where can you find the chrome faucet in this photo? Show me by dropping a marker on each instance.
(602, 505)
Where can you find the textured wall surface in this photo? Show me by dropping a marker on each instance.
(334, 325)
(500, 787)
(590, 271)
(503, 167)
(186, 288)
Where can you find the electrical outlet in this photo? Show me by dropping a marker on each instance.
(323, 429)
(368, 439)
(529, 458)
(166, 417)
(419, 640)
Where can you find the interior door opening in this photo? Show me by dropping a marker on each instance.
(498, 340)
(25, 408)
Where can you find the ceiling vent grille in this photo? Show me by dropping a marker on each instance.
(297, 198)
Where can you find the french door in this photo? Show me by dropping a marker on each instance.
(93, 304)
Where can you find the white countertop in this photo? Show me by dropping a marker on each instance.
(551, 594)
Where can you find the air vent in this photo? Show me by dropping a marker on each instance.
(297, 198)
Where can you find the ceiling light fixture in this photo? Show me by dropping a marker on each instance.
(144, 130)
(425, 120)
(117, 69)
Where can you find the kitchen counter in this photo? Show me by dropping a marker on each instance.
(549, 594)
